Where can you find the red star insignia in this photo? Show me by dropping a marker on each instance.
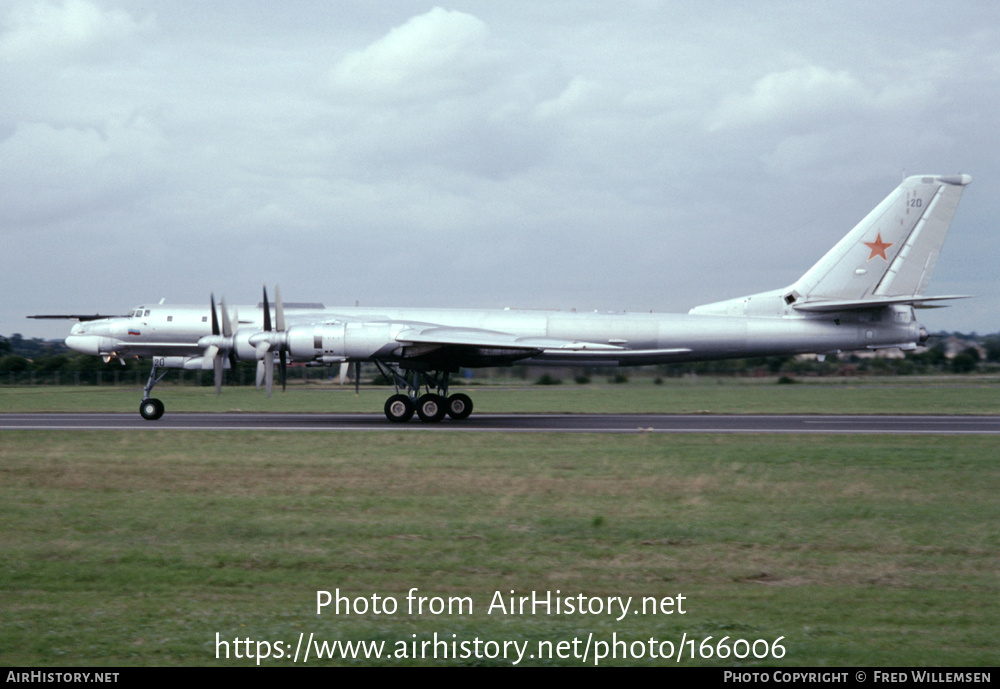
(878, 247)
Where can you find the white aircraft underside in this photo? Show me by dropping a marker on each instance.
(860, 295)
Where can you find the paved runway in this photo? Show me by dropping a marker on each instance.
(521, 423)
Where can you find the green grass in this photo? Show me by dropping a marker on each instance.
(906, 395)
(121, 548)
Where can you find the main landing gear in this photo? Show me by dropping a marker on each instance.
(431, 407)
(151, 409)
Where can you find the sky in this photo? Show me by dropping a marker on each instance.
(636, 155)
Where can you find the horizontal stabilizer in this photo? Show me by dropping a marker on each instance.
(823, 306)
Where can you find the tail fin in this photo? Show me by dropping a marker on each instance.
(886, 259)
(889, 256)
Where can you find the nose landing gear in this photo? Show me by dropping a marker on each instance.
(150, 408)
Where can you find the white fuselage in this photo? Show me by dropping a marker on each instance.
(332, 335)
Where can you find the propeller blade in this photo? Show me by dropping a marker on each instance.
(233, 359)
(217, 365)
(215, 317)
(283, 368)
(267, 312)
(227, 326)
(279, 310)
(357, 377)
(261, 352)
(343, 371)
(269, 372)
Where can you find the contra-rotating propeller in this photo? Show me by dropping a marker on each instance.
(271, 339)
(221, 340)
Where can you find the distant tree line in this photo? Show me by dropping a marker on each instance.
(35, 360)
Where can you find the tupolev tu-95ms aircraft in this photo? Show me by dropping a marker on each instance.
(860, 295)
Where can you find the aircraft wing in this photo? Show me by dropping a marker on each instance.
(626, 357)
(475, 337)
(76, 317)
(548, 348)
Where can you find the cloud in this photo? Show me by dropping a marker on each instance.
(438, 95)
(429, 55)
(575, 94)
(783, 98)
(48, 172)
(42, 30)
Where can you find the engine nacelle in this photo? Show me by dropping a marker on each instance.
(332, 342)
(95, 345)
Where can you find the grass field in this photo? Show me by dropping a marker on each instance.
(126, 548)
(901, 395)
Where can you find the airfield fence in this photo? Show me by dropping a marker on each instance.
(137, 377)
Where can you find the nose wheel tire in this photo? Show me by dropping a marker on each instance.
(399, 409)
(431, 408)
(151, 409)
(459, 406)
